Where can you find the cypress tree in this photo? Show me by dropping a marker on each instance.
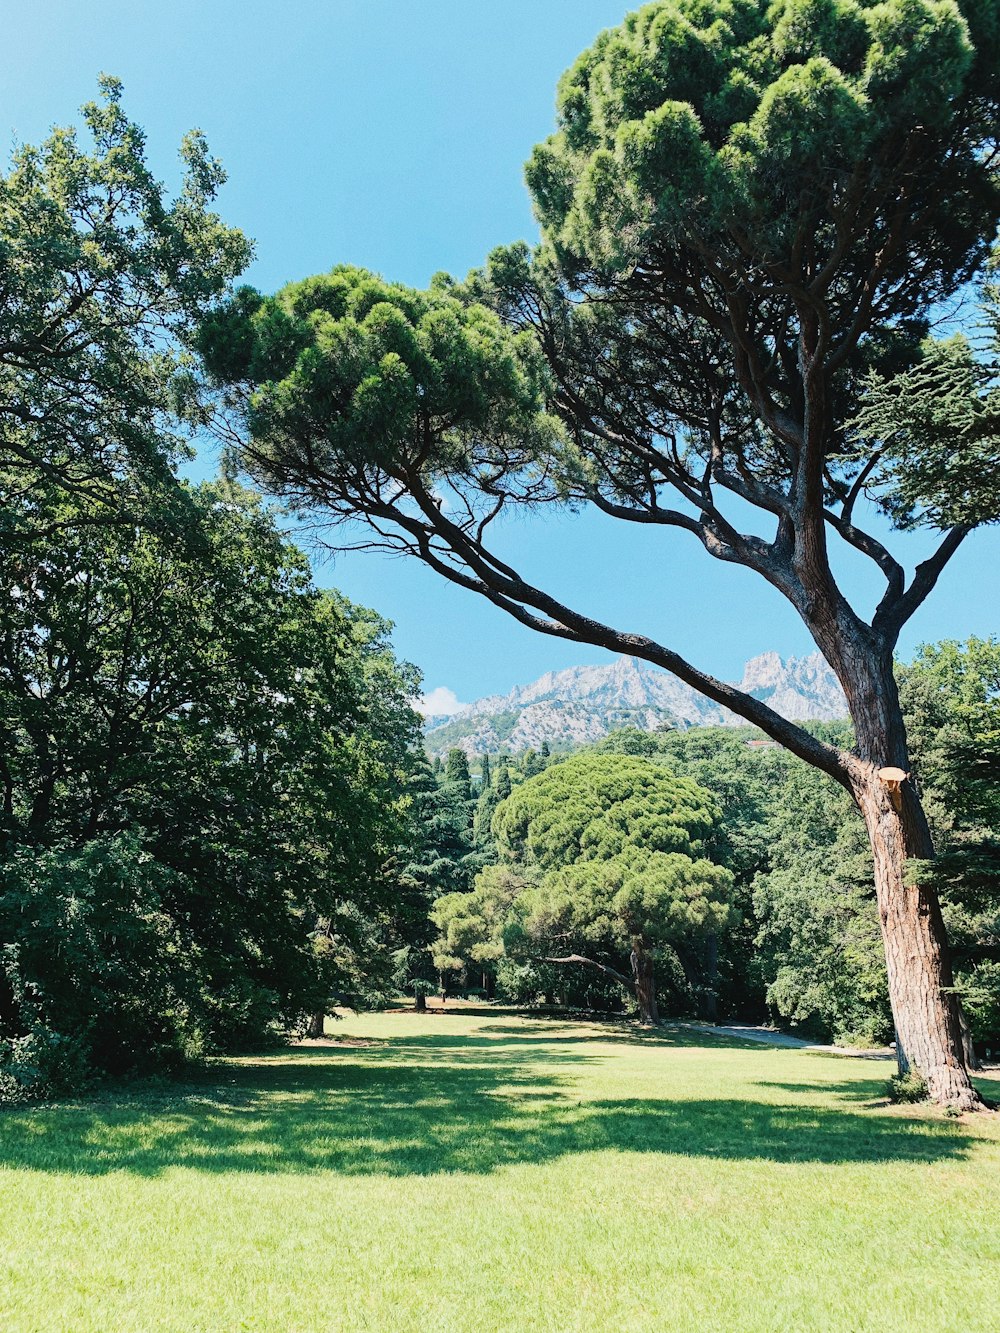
(456, 772)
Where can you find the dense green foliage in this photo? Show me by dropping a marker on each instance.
(377, 372)
(803, 938)
(823, 157)
(203, 758)
(103, 276)
(938, 427)
(600, 855)
(951, 693)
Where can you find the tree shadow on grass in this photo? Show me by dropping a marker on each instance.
(620, 1032)
(868, 1090)
(417, 1109)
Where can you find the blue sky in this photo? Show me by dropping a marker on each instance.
(392, 134)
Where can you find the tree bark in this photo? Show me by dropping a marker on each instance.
(317, 1021)
(645, 982)
(921, 987)
(925, 1008)
(420, 1002)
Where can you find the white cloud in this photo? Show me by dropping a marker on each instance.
(441, 702)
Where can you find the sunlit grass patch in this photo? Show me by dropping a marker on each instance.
(486, 1171)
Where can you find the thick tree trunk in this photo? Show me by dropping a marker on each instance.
(925, 1009)
(645, 982)
(316, 1023)
(421, 1002)
(921, 987)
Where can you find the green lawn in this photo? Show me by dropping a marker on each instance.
(487, 1172)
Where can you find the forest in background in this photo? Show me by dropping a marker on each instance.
(800, 943)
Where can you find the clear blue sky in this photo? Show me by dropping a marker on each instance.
(392, 133)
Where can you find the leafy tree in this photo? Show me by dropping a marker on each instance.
(486, 807)
(620, 845)
(745, 211)
(456, 773)
(440, 858)
(938, 427)
(470, 925)
(104, 278)
(762, 791)
(201, 774)
(816, 940)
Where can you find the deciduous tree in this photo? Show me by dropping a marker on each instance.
(103, 276)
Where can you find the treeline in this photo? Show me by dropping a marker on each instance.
(205, 761)
(799, 938)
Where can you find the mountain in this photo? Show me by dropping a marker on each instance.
(583, 704)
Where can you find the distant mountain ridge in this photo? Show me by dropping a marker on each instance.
(584, 704)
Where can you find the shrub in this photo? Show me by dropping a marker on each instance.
(908, 1087)
(119, 994)
(41, 1064)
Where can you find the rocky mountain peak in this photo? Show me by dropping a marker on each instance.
(581, 705)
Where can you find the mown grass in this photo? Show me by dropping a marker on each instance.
(488, 1172)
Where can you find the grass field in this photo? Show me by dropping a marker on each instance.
(486, 1172)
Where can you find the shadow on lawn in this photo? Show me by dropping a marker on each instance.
(422, 1105)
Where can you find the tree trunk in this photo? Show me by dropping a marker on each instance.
(972, 1060)
(489, 985)
(645, 982)
(921, 987)
(421, 1002)
(925, 1008)
(317, 1021)
(712, 977)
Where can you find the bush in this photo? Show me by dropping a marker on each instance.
(41, 1064)
(119, 994)
(519, 983)
(908, 1087)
